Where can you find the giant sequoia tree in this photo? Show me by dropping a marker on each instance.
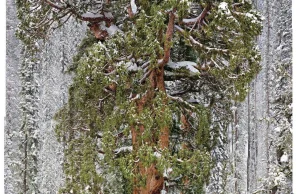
(153, 84)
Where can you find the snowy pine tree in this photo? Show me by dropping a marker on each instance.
(29, 131)
(142, 113)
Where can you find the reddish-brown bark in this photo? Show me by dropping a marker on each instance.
(98, 33)
(169, 36)
(129, 11)
(154, 179)
(185, 123)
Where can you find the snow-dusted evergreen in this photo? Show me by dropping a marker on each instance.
(29, 130)
(249, 142)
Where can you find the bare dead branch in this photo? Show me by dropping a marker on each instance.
(169, 36)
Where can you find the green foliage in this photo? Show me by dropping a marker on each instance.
(85, 117)
(103, 111)
(80, 167)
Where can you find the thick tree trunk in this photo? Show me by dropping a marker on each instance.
(154, 179)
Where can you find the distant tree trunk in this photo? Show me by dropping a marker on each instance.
(25, 164)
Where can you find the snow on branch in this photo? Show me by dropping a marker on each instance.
(188, 65)
(145, 76)
(95, 17)
(197, 19)
(123, 149)
(252, 17)
(172, 76)
(133, 7)
(54, 5)
(92, 15)
(178, 99)
(88, 16)
(193, 41)
(224, 8)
